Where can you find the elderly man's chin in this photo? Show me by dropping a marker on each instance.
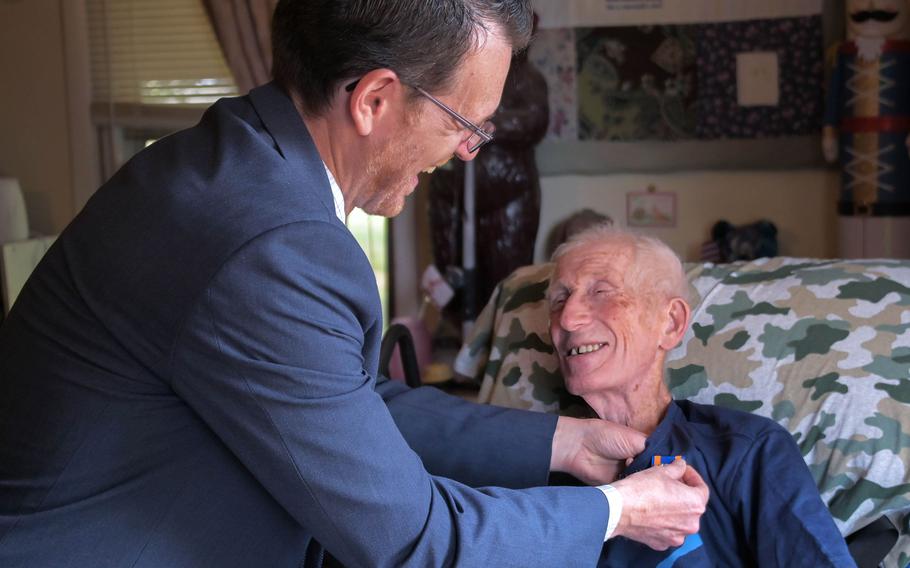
(580, 384)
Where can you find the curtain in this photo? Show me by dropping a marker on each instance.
(243, 30)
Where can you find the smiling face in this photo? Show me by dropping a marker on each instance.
(606, 328)
(878, 19)
(422, 136)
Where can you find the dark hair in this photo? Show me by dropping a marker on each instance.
(318, 43)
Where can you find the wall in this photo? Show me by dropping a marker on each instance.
(39, 123)
(800, 202)
(34, 146)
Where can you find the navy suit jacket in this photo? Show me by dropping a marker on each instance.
(188, 379)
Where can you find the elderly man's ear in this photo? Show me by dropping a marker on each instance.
(676, 323)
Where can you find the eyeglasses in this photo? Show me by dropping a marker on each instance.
(480, 135)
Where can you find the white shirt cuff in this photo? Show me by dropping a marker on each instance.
(614, 499)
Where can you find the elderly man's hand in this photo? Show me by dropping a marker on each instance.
(593, 450)
(661, 505)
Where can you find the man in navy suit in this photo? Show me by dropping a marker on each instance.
(189, 377)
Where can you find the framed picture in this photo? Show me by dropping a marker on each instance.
(651, 209)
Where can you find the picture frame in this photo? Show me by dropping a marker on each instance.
(651, 209)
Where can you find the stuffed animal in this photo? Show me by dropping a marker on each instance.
(746, 242)
(867, 121)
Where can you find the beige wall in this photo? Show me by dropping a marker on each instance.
(36, 119)
(801, 203)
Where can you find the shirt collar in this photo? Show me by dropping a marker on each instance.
(292, 139)
(658, 442)
(337, 196)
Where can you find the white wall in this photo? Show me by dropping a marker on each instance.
(801, 203)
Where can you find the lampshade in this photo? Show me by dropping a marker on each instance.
(13, 220)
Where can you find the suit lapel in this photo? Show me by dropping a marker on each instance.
(294, 142)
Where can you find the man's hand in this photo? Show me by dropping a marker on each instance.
(593, 450)
(661, 505)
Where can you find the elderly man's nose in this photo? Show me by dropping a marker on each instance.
(575, 313)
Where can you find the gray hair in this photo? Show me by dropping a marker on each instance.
(658, 269)
(571, 225)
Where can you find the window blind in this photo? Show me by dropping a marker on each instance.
(155, 52)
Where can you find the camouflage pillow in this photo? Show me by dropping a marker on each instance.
(822, 347)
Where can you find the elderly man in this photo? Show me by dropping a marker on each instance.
(617, 306)
(189, 377)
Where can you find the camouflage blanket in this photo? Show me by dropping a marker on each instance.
(822, 347)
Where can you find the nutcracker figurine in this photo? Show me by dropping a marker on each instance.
(867, 127)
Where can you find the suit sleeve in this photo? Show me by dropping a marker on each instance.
(476, 444)
(271, 358)
(785, 520)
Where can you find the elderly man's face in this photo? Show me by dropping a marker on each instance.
(605, 332)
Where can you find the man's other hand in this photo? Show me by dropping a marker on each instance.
(662, 505)
(594, 451)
